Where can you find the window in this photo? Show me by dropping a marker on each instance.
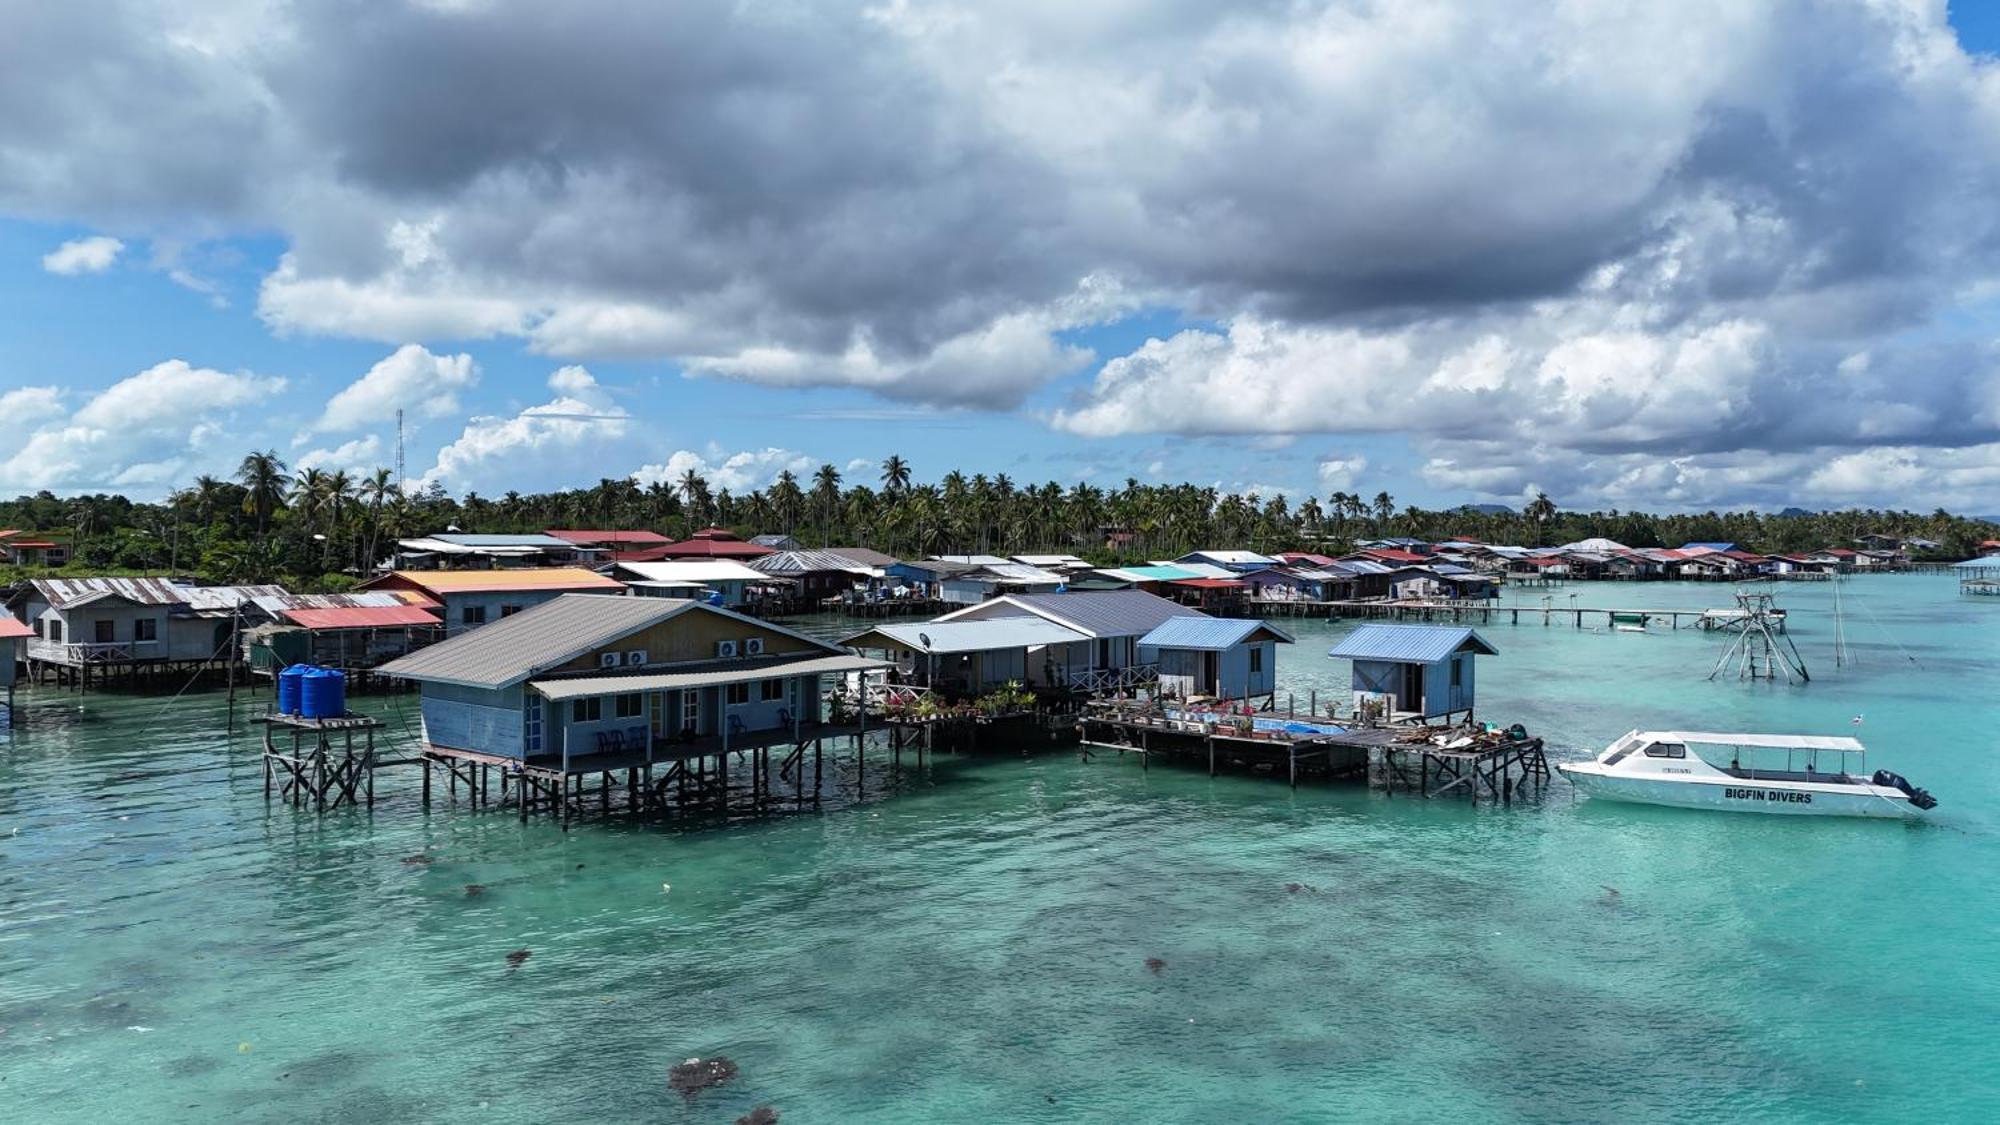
(772, 689)
(631, 706)
(1257, 660)
(509, 610)
(586, 710)
(739, 694)
(1457, 671)
(1666, 750)
(472, 615)
(691, 709)
(55, 630)
(39, 630)
(105, 630)
(146, 629)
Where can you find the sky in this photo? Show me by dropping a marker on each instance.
(1635, 255)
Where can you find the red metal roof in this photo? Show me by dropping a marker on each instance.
(10, 629)
(1391, 554)
(361, 617)
(700, 548)
(1210, 583)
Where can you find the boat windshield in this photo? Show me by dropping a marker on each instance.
(1784, 763)
(1622, 749)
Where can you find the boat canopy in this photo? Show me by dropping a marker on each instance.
(1771, 741)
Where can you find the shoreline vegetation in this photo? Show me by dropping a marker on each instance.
(316, 530)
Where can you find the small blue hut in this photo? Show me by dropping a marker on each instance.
(1413, 672)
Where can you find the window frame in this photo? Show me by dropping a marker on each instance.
(586, 709)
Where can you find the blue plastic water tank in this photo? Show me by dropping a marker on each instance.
(715, 597)
(336, 694)
(316, 694)
(289, 683)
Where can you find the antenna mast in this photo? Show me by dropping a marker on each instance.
(399, 448)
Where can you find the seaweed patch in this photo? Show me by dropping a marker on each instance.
(1156, 964)
(515, 958)
(762, 1115)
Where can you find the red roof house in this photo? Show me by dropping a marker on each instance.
(713, 543)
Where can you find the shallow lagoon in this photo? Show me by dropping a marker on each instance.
(968, 941)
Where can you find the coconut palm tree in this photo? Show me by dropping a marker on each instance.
(265, 478)
(895, 474)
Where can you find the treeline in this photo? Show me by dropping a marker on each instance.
(321, 529)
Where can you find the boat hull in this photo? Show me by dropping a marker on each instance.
(1783, 798)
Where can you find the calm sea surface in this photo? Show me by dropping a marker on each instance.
(969, 941)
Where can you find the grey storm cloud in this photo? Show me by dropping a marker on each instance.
(1687, 228)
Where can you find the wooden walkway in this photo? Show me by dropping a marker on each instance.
(1484, 613)
(1391, 758)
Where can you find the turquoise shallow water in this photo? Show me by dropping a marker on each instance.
(968, 941)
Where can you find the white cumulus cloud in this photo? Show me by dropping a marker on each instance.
(83, 255)
(411, 378)
(565, 439)
(741, 472)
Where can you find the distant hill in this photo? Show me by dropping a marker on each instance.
(1795, 513)
(1487, 509)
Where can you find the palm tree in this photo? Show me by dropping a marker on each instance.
(264, 479)
(895, 474)
(826, 500)
(1385, 509)
(376, 492)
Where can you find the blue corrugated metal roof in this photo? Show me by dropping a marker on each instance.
(1208, 633)
(1409, 644)
(1992, 563)
(1160, 573)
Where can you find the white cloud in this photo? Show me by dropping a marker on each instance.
(141, 431)
(83, 255)
(742, 472)
(358, 457)
(411, 378)
(1339, 474)
(564, 439)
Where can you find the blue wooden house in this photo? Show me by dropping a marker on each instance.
(1220, 657)
(1413, 672)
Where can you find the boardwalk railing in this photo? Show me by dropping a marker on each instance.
(104, 652)
(1103, 680)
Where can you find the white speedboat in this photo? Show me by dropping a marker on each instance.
(1800, 775)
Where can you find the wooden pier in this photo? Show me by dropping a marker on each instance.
(1485, 612)
(1430, 761)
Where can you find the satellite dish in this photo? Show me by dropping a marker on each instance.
(925, 638)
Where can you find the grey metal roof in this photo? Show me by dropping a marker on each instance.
(1214, 634)
(805, 562)
(668, 681)
(1104, 613)
(863, 555)
(973, 636)
(1409, 644)
(65, 592)
(541, 637)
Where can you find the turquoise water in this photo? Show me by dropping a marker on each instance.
(968, 941)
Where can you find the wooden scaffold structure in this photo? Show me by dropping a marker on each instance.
(323, 765)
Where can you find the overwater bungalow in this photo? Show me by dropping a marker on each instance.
(12, 634)
(816, 575)
(968, 657)
(1111, 623)
(1978, 576)
(590, 683)
(1056, 564)
(1412, 673)
(351, 632)
(991, 580)
(730, 582)
(1219, 658)
(468, 599)
(1221, 596)
(85, 629)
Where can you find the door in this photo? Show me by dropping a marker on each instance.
(1411, 698)
(1210, 680)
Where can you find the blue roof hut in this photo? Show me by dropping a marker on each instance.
(1222, 657)
(1413, 672)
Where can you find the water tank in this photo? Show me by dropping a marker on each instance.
(323, 694)
(289, 681)
(715, 597)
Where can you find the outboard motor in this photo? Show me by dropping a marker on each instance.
(1918, 797)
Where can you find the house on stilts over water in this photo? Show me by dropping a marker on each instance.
(613, 688)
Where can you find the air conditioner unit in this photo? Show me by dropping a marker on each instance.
(725, 648)
(607, 660)
(753, 646)
(636, 657)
